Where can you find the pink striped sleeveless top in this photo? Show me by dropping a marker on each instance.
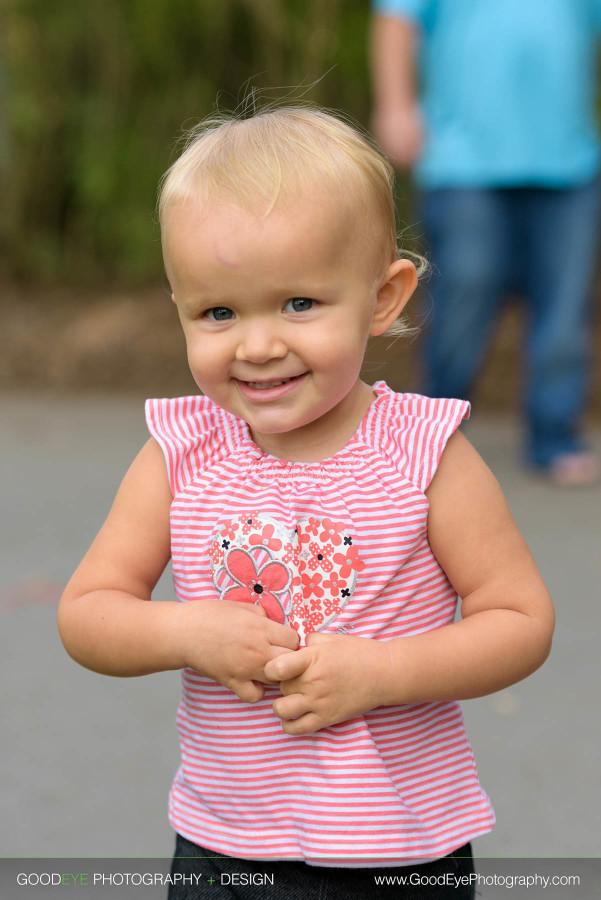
(336, 546)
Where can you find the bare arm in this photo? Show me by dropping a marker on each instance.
(507, 615)
(504, 634)
(107, 624)
(396, 120)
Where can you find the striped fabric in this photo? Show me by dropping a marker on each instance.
(340, 546)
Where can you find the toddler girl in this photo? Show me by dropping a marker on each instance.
(321, 531)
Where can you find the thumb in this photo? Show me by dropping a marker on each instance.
(286, 666)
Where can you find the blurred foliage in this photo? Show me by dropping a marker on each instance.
(96, 93)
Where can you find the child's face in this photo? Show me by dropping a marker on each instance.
(276, 312)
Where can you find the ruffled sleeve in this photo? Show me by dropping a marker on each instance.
(418, 429)
(192, 432)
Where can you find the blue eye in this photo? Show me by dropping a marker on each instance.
(219, 314)
(299, 304)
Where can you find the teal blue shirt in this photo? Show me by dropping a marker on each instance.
(508, 90)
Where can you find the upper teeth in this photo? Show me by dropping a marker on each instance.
(264, 385)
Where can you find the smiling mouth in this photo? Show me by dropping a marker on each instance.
(266, 385)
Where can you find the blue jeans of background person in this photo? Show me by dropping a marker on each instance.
(542, 242)
(294, 880)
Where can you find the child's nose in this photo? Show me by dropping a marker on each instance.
(259, 343)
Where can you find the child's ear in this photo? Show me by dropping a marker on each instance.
(173, 300)
(397, 286)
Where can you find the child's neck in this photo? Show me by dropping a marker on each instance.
(325, 436)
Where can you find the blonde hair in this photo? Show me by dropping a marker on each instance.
(273, 155)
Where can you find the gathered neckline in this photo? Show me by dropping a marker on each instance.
(365, 428)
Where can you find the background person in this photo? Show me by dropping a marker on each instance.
(493, 104)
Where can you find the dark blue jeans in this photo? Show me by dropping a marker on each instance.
(217, 877)
(542, 242)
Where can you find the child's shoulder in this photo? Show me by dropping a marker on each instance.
(193, 432)
(410, 408)
(176, 414)
(413, 430)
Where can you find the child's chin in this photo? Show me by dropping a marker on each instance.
(272, 427)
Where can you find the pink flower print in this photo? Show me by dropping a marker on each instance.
(313, 525)
(249, 521)
(311, 585)
(229, 530)
(320, 556)
(303, 537)
(349, 561)
(331, 607)
(298, 604)
(266, 538)
(332, 531)
(334, 584)
(314, 620)
(322, 551)
(216, 552)
(257, 585)
(289, 553)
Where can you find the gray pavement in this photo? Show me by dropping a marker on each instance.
(87, 761)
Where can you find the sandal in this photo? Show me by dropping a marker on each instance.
(575, 469)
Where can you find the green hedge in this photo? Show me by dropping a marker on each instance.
(96, 93)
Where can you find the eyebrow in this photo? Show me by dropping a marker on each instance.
(196, 302)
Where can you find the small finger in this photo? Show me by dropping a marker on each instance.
(291, 707)
(289, 687)
(283, 636)
(306, 724)
(249, 691)
(316, 637)
(286, 666)
(273, 653)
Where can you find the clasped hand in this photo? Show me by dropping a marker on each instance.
(232, 642)
(333, 679)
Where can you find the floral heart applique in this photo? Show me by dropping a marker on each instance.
(302, 577)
